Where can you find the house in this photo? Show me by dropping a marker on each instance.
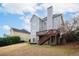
(23, 34)
(41, 27)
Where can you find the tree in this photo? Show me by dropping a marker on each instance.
(71, 26)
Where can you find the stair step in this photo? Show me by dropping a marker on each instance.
(44, 39)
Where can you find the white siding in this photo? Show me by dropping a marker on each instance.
(49, 18)
(43, 26)
(57, 22)
(40, 25)
(34, 29)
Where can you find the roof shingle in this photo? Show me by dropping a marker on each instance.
(21, 30)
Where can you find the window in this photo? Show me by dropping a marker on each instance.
(33, 39)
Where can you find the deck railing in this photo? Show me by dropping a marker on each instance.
(46, 32)
(42, 32)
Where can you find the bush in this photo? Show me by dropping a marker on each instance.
(74, 36)
(9, 40)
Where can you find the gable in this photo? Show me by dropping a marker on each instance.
(33, 18)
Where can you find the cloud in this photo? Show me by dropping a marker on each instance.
(6, 28)
(26, 24)
(0, 26)
(62, 7)
(21, 9)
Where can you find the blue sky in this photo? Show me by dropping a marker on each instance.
(19, 15)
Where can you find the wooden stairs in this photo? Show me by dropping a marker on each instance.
(46, 37)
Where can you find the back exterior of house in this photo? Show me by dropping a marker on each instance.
(41, 26)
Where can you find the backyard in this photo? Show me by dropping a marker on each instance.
(25, 49)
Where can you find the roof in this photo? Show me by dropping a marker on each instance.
(53, 16)
(45, 18)
(35, 16)
(20, 30)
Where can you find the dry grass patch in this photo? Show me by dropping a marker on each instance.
(24, 49)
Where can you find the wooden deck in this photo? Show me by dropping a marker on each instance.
(46, 32)
(48, 35)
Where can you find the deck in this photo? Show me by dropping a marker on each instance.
(45, 32)
(47, 35)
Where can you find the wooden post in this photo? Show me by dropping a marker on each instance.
(59, 41)
(54, 40)
(64, 41)
(50, 41)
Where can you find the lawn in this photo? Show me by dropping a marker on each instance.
(25, 49)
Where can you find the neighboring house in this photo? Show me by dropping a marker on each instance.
(39, 26)
(23, 34)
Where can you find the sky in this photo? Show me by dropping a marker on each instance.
(18, 15)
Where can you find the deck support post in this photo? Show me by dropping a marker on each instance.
(59, 40)
(54, 40)
(50, 40)
(64, 41)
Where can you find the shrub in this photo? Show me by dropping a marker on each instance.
(9, 40)
(74, 36)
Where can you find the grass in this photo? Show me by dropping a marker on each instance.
(25, 49)
(57, 50)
